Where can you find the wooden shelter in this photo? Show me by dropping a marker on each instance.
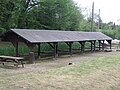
(33, 37)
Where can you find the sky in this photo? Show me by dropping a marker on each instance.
(109, 9)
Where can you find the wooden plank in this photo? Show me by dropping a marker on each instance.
(14, 59)
(10, 57)
(51, 45)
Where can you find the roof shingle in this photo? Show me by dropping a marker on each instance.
(37, 36)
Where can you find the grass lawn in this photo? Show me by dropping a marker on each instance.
(103, 73)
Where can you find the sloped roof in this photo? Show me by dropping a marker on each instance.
(37, 36)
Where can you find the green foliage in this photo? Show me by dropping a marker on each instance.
(115, 34)
(40, 14)
(6, 8)
(8, 49)
(2, 30)
(110, 29)
(109, 32)
(49, 14)
(56, 14)
(85, 25)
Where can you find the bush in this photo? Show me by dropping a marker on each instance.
(109, 32)
(2, 30)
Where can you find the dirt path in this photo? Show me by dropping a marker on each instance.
(44, 65)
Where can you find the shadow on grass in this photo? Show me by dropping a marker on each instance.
(9, 67)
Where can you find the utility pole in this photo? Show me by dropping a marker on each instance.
(99, 20)
(92, 17)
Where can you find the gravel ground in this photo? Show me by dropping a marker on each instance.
(61, 61)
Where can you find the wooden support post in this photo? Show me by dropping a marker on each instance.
(82, 46)
(91, 45)
(39, 50)
(99, 44)
(17, 51)
(110, 45)
(94, 45)
(103, 45)
(55, 49)
(109, 41)
(70, 47)
(15, 44)
(31, 46)
(51, 45)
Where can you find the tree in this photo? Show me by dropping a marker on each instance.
(13, 13)
(40, 14)
(57, 14)
(20, 16)
(6, 8)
